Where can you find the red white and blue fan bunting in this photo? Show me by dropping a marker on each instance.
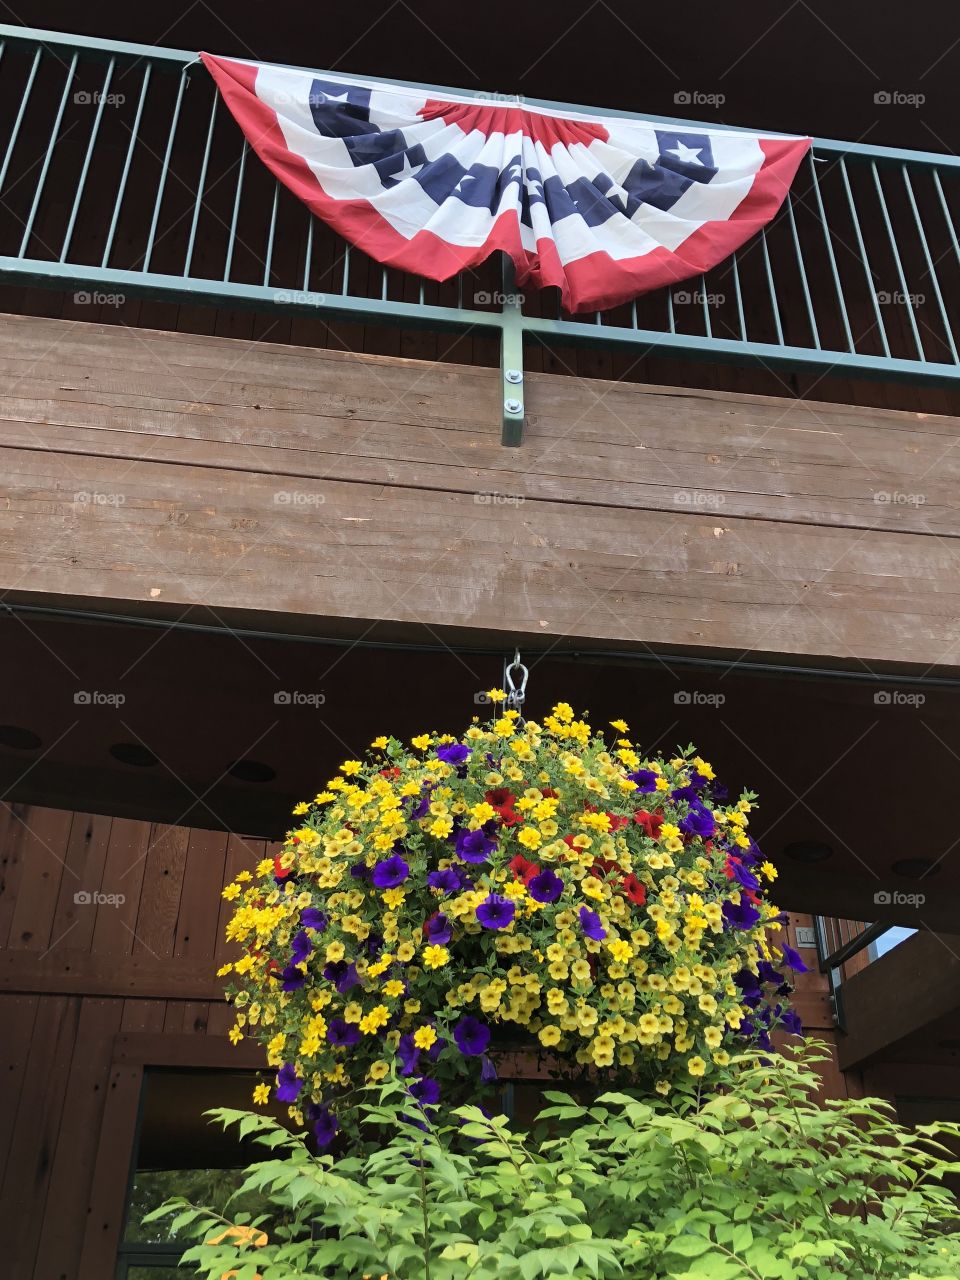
(600, 207)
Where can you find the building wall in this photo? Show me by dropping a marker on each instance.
(92, 994)
(162, 470)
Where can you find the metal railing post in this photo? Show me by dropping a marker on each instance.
(511, 358)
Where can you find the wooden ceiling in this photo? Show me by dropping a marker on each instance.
(150, 722)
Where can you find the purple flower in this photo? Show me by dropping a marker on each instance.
(426, 1091)
(488, 1072)
(342, 974)
(312, 918)
(288, 1084)
(325, 1126)
(447, 881)
(645, 779)
(454, 753)
(496, 912)
(698, 821)
(742, 915)
(475, 846)
(360, 871)
(438, 929)
(590, 924)
(746, 879)
(472, 1036)
(343, 1034)
(751, 992)
(292, 978)
(545, 887)
(792, 959)
(420, 807)
(300, 947)
(409, 1055)
(390, 873)
(790, 1021)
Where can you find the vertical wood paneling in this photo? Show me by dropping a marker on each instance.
(26, 1179)
(123, 872)
(77, 1139)
(104, 1221)
(84, 860)
(43, 846)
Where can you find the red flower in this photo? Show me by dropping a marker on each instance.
(634, 890)
(728, 866)
(279, 870)
(651, 822)
(568, 841)
(617, 821)
(393, 772)
(604, 865)
(523, 869)
(501, 801)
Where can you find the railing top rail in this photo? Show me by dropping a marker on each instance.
(823, 147)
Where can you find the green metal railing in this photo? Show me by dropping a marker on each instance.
(122, 175)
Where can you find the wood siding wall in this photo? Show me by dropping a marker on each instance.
(91, 994)
(162, 471)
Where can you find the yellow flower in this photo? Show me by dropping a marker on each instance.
(231, 891)
(379, 744)
(421, 742)
(530, 837)
(496, 695)
(235, 1035)
(394, 898)
(435, 957)
(696, 1066)
(375, 1019)
(549, 1036)
(591, 887)
(335, 951)
(620, 950)
(405, 952)
(424, 1037)
(378, 1070)
(393, 989)
(351, 767)
(261, 1094)
(620, 725)
(769, 870)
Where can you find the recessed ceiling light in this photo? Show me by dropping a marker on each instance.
(914, 868)
(11, 735)
(808, 851)
(251, 771)
(134, 753)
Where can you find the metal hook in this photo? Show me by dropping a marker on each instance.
(516, 693)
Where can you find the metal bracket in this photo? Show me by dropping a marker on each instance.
(511, 358)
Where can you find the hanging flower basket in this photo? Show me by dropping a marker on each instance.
(525, 883)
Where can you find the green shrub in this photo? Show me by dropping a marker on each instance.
(759, 1181)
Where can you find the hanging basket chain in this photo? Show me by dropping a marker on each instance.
(515, 676)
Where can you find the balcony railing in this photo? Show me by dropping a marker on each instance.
(122, 173)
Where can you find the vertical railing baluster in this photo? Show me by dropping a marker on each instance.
(802, 266)
(706, 308)
(738, 295)
(345, 289)
(383, 285)
(81, 181)
(308, 253)
(273, 227)
(947, 216)
(904, 287)
(237, 195)
(128, 159)
(864, 258)
(828, 241)
(930, 263)
(163, 172)
(201, 183)
(671, 318)
(45, 167)
(774, 303)
(15, 131)
(633, 314)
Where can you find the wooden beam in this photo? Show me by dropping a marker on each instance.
(309, 485)
(898, 995)
(184, 1050)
